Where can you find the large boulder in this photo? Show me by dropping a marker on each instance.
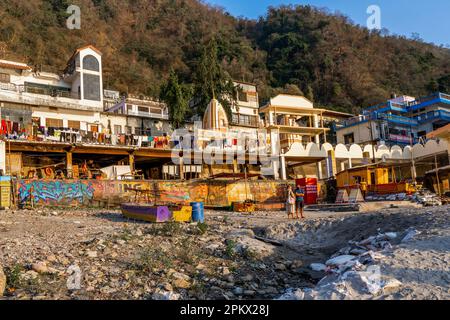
(245, 244)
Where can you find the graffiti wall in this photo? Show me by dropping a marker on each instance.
(88, 192)
(55, 192)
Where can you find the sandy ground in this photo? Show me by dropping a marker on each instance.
(123, 259)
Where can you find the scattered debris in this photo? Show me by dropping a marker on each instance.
(165, 295)
(427, 198)
(318, 267)
(410, 234)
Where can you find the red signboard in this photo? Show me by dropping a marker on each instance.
(400, 138)
(309, 186)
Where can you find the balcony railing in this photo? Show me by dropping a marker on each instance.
(433, 115)
(156, 115)
(398, 119)
(37, 90)
(355, 120)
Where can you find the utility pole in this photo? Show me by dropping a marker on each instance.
(372, 141)
(438, 184)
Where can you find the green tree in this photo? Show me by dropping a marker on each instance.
(212, 81)
(444, 84)
(176, 96)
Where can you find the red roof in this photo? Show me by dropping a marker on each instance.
(90, 46)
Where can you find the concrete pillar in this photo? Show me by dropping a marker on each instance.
(319, 170)
(315, 124)
(283, 167)
(342, 166)
(331, 164)
(69, 165)
(271, 118)
(350, 163)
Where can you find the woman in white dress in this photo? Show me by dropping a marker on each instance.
(290, 202)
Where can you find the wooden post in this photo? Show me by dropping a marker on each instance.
(69, 165)
(131, 163)
(235, 166)
(437, 175)
(181, 169)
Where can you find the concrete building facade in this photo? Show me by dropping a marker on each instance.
(400, 121)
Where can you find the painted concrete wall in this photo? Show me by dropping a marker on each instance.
(87, 192)
(84, 117)
(360, 132)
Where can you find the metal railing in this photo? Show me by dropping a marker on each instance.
(37, 90)
(159, 115)
(400, 119)
(432, 115)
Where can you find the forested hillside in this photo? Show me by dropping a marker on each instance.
(292, 49)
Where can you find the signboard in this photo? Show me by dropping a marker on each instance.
(399, 138)
(5, 191)
(309, 186)
(342, 196)
(356, 196)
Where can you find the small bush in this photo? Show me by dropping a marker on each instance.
(230, 248)
(202, 227)
(13, 276)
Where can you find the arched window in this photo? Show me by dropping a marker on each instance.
(91, 63)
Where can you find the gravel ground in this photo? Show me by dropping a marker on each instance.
(45, 252)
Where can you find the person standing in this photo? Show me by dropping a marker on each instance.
(299, 201)
(290, 202)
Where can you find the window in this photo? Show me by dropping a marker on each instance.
(252, 97)
(94, 128)
(91, 87)
(242, 96)
(349, 138)
(421, 134)
(117, 129)
(137, 131)
(91, 63)
(53, 123)
(372, 178)
(5, 78)
(143, 109)
(74, 124)
(128, 130)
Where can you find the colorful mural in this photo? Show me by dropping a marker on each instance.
(55, 192)
(85, 192)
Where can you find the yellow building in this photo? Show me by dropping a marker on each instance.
(381, 178)
(442, 173)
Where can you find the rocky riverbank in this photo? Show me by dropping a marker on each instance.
(97, 254)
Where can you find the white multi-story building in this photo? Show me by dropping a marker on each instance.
(35, 101)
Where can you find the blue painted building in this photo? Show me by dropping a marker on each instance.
(399, 121)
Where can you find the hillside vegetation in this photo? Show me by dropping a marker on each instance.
(294, 49)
